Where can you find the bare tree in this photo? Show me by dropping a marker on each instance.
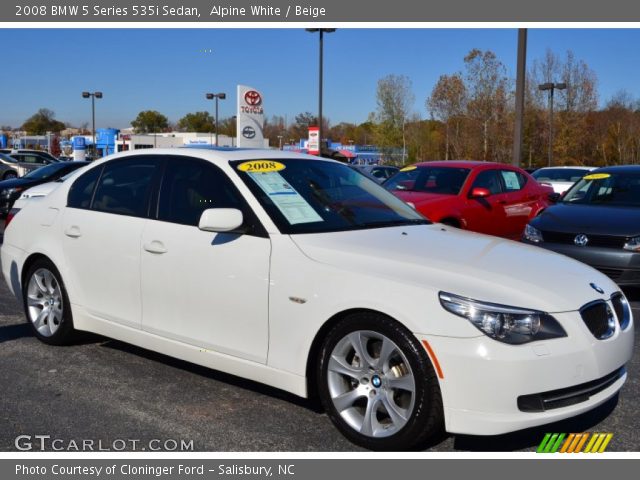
(447, 102)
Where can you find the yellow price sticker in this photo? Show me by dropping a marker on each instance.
(408, 169)
(597, 176)
(261, 166)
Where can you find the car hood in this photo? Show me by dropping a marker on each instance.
(590, 219)
(15, 182)
(472, 265)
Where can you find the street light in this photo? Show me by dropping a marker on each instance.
(322, 31)
(550, 87)
(93, 96)
(221, 96)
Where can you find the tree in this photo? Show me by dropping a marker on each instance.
(200, 122)
(448, 102)
(487, 84)
(149, 121)
(42, 122)
(394, 99)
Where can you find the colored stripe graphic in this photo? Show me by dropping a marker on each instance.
(574, 443)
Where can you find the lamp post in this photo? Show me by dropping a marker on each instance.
(550, 87)
(322, 31)
(93, 96)
(217, 96)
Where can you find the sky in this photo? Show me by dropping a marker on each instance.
(170, 70)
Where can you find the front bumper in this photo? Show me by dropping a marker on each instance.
(622, 266)
(483, 379)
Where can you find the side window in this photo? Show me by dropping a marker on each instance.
(125, 186)
(190, 186)
(513, 181)
(488, 179)
(81, 191)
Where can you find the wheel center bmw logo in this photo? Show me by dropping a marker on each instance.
(581, 240)
(596, 288)
(375, 381)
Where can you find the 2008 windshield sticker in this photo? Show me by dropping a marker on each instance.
(290, 203)
(261, 166)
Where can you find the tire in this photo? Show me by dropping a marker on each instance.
(372, 404)
(44, 291)
(9, 175)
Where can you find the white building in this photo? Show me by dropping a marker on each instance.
(127, 141)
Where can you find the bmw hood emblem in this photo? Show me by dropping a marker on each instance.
(596, 288)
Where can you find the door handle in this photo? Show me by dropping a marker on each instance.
(73, 231)
(155, 246)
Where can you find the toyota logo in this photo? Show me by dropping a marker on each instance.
(581, 240)
(248, 132)
(252, 98)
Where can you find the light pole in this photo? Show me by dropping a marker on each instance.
(221, 96)
(550, 87)
(93, 96)
(322, 31)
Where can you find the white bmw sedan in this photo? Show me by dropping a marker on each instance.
(302, 274)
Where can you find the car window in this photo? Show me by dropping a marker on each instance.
(443, 180)
(190, 186)
(124, 186)
(26, 158)
(559, 174)
(513, 181)
(490, 180)
(608, 188)
(81, 192)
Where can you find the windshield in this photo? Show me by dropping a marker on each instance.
(314, 196)
(610, 188)
(559, 174)
(442, 180)
(52, 170)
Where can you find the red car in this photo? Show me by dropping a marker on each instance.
(485, 197)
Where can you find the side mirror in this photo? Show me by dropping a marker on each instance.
(221, 220)
(555, 196)
(479, 192)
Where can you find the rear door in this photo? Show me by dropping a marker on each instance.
(107, 209)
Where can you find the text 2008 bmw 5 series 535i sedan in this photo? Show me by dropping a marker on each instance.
(302, 274)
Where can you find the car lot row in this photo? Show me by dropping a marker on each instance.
(270, 266)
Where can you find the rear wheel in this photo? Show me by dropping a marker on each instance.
(46, 304)
(377, 384)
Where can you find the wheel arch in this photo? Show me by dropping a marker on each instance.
(30, 260)
(312, 357)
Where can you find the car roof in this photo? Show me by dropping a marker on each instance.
(620, 169)
(220, 156)
(461, 164)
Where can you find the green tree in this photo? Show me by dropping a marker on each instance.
(41, 122)
(394, 98)
(149, 121)
(200, 122)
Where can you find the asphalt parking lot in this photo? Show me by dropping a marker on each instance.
(105, 390)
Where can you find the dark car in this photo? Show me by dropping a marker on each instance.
(379, 173)
(10, 190)
(597, 222)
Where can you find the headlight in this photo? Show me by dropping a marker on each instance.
(533, 234)
(503, 323)
(633, 244)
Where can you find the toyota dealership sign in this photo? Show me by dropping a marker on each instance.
(250, 117)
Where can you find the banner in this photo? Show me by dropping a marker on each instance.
(250, 118)
(314, 141)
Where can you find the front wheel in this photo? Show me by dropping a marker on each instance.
(47, 305)
(377, 384)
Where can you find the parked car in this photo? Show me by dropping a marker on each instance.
(10, 190)
(253, 262)
(484, 197)
(597, 222)
(379, 173)
(18, 151)
(9, 167)
(560, 178)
